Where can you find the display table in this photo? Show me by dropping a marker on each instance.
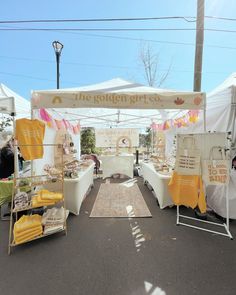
(159, 183)
(75, 189)
(122, 164)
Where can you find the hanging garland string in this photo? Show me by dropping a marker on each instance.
(58, 124)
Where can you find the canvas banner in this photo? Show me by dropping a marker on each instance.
(121, 100)
(216, 171)
(187, 157)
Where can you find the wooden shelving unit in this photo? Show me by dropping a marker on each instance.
(36, 181)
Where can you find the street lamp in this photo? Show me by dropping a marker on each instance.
(57, 48)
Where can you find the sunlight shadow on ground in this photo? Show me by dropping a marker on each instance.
(152, 290)
(137, 234)
(129, 182)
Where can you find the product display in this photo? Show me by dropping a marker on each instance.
(187, 190)
(46, 198)
(36, 200)
(215, 170)
(53, 220)
(27, 228)
(21, 200)
(187, 157)
(30, 135)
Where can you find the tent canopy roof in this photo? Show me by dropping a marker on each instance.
(134, 103)
(11, 102)
(229, 82)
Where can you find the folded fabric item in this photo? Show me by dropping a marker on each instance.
(28, 232)
(52, 229)
(53, 224)
(47, 195)
(28, 237)
(51, 196)
(21, 205)
(36, 203)
(27, 222)
(38, 198)
(21, 200)
(54, 215)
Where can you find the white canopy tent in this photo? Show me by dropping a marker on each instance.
(12, 103)
(135, 104)
(220, 110)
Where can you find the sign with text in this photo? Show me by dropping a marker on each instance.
(110, 137)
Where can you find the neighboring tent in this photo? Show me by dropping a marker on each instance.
(11, 102)
(135, 104)
(220, 110)
(221, 107)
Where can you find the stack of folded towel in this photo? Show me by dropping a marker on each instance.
(46, 198)
(21, 200)
(27, 228)
(53, 220)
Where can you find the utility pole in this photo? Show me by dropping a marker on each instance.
(199, 46)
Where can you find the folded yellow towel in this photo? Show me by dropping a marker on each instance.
(27, 222)
(37, 202)
(28, 237)
(26, 232)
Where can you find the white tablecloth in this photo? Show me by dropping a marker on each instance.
(122, 164)
(75, 189)
(216, 197)
(159, 183)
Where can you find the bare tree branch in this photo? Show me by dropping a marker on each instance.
(150, 63)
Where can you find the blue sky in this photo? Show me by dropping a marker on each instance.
(27, 59)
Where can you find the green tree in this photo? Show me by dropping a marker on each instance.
(88, 141)
(148, 138)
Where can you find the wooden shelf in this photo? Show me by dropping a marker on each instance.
(38, 183)
(38, 237)
(30, 207)
(34, 181)
(37, 176)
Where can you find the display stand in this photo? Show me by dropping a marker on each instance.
(36, 181)
(205, 141)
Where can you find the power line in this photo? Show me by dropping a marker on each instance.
(155, 41)
(97, 29)
(114, 29)
(185, 18)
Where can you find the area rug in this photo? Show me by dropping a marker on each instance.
(120, 200)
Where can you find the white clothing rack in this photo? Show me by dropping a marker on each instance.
(224, 225)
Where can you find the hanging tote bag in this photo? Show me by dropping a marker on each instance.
(216, 171)
(188, 157)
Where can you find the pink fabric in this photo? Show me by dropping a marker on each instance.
(44, 115)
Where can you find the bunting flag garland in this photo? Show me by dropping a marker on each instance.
(190, 118)
(58, 124)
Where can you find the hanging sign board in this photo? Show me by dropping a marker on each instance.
(122, 100)
(109, 137)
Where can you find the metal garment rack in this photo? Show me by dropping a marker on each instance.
(224, 225)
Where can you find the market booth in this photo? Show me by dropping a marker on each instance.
(65, 179)
(118, 94)
(122, 95)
